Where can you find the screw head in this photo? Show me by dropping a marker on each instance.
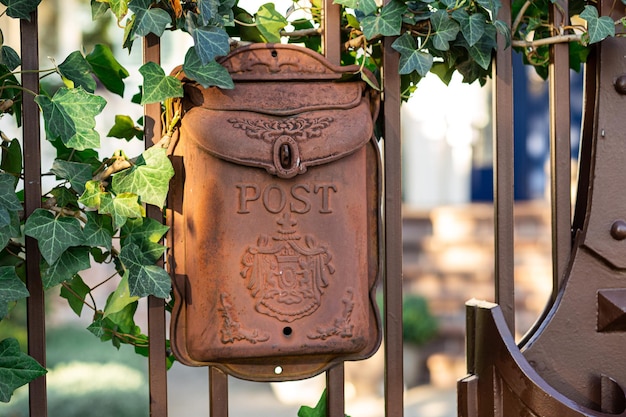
(618, 230)
(620, 84)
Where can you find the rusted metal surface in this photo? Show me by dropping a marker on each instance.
(572, 363)
(32, 200)
(280, 205)
(156, 307)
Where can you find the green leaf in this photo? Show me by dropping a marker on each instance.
(20, 9)
(120, 298)
(445, 30)
(145, 233)
(118, 7)
(472, 26)
(11, 289)
(12, 158)
(482, 50)
(16, 368)
(493, 6)
(54, 235)
(65, 197)
(10, 230)
(99, 230)
(149, 177)
(77, 173)
(124, 128)
(92, 197)
(157, 86)
(8, 200)
(209, 9)
(598, 28)
(9, 57)
(364, 6)
(70, 116)
(98, 9)
(270, 22)
(210, 42)
(121, 208)
(76, 69)
(318, 411)
(412, 59)
(153, 20)
(211, 74)
(69, 264)
(144, 280)
(387, 23)
(108, 70)
(76, 293)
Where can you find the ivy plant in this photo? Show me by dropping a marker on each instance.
(96, 211)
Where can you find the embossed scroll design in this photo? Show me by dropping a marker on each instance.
(298, 128)
(341, 325)
(231, 328)
(285, 275)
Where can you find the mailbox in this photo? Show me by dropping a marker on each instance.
(275, 218)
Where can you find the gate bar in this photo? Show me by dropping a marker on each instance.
(331, 36)
(218, 392)
(156, 306)
(392, 264)
(503, 193)
(560, 154)
(36, 318)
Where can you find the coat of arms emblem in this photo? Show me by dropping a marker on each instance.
(286, 273)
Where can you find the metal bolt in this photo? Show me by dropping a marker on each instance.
(620, 84)
(618, 230)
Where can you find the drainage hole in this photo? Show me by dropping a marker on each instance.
(278, 370)
(287, 331)
(274, 54)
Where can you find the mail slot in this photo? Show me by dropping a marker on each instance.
(275, 218)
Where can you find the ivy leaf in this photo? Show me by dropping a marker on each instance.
(70, 116)
(598, 28)
(157, 86)
(16, 368)
(99, 230)
(153, 20)
(76, 69)
(65, 197)
(76, 293)
(54, 235)
(12, 158)
(493, 6)
(144, 280)
(108, 70)
(10, 230)
(120, 298)
(211, 74)
(69, 264)
(118, 7)
(482, 50)
(472, 26)
(270, 22)
(11, 289)
(121, 208)
(209, 9)
(77, 173)
(20, 9)
(387, 23)
(145, 233)
(148, 178)
(210, 42)
(92, 197)
(412, 59)
(445, 30)
(365, 6)
(9, 57)
(124, 128)
(98, 9)
(8, 200)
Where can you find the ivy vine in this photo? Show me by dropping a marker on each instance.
(95, 213)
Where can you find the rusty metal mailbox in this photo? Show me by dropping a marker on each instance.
(275, 218)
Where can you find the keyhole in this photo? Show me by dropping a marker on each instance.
(285, 155)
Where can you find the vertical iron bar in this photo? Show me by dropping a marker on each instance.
(335, 390)
(560, 151)
(332, 31)
(503, 174)
(394, 383)
(218, 392)
(156, 306)
(32, 200)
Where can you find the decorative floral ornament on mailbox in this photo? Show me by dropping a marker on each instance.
(275, 218)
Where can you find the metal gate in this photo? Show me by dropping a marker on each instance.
(218, 380)
(570, 363)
